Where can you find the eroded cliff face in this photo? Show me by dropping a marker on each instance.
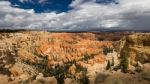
(72, 58)
(138, 48)
(26, 54)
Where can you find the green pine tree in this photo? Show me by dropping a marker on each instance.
(124, 62)
(108, 65)
(113, 63)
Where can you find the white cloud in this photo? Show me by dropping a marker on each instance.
(23, 1)
(76, 3)
(32, 1)
(20, 18)
(128, 14)
(42, 1)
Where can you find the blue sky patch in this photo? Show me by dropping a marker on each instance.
(49, 5)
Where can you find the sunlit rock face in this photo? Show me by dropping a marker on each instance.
(138, 48)
(27, 53)
(39, 56)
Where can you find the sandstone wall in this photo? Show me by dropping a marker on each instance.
(138, 47)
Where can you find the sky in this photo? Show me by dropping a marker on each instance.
(75, 15)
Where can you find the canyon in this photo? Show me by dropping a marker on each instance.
(41, 57)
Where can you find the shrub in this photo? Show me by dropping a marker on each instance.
(107, 50)
(87, 57)
(101, 77)
(84, 79)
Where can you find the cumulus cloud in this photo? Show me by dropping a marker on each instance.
(86, 15)
(20, 18)
(31, 1)
(23, 1)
